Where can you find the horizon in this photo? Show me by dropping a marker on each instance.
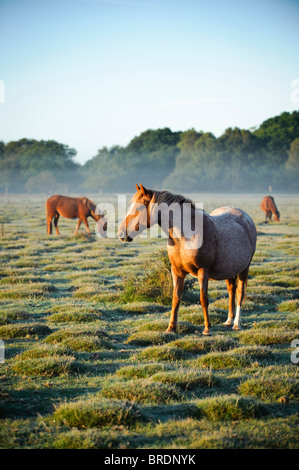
(95, 73)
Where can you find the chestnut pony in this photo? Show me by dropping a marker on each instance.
(221, 248)
(72, 208)
(269, 207)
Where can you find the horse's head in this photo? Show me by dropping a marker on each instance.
(98, 216)
(101, 226)
(138, 215)
(277, 216)
(101, 223)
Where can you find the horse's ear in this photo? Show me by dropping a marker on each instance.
(137, 187)
(143, 189)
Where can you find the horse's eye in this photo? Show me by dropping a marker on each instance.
(137, 210)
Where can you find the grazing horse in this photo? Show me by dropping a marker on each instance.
(72, 208)
(221, 248)
(269, 207)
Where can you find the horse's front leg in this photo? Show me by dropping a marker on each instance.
(178, 286)
(86, 225)
(203, 279)
(78, 226)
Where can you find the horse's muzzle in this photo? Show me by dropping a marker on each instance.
(124, 238)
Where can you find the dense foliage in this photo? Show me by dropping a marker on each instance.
(190, 161)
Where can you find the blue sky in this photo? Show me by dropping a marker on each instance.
(93, 73)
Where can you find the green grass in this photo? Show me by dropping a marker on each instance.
(88, 363)
(230, 408)
(96, 412)
(271, 388)
(143, 391)
(23, 331)
(45, 366)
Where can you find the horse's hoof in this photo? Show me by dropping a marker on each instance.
(171, 330)
(206, 333)
(237, 328)
(227, 325)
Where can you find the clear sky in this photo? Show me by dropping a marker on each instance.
(93, 73)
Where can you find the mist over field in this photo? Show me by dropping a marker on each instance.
(259, 160)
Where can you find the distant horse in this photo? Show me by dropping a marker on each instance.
(72, 208)
(224, 247)
(269, 207)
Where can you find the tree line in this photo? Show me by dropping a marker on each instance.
(183, 161)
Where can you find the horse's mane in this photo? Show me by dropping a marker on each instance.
(88, 203)
(170, 198)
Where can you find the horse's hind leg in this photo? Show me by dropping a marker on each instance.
(241, 289)
(49, 223)
(56, 217)
(203, 279)
(49, 226)
(231, 287)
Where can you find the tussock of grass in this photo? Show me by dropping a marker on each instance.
(11, 317)
(187, 379)
(142, 391)
(271, 388)
(31, 290)
(145, 338)
(93, 438)
(289, 306)
(86, 343)
(143, 308)
(224, 360)
(230, 408)
(268, 336)
(254, 352)
(52, 366)
(155, 284)
(184, 327)
(24, 330)
(4, 396)
(161, 353)
(281, 324)
(140, 371)
(44, 350)
(202, 344)
(73, 317)
(96, 412)
(65, 333)
(217, 317)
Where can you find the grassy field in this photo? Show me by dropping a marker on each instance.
(87, 362)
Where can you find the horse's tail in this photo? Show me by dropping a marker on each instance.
(47, 214)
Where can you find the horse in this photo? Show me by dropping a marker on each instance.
(221, 249)
(72, 208)
(269, 207)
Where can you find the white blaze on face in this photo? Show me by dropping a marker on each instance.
(137, 214)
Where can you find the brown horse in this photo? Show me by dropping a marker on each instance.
(72, 208)
(221, 248)
(269, 207)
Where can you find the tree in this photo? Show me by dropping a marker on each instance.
(292, 165)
